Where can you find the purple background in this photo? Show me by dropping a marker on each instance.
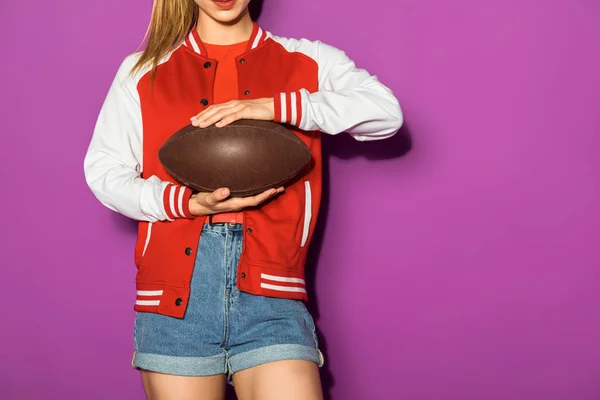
(466, 269)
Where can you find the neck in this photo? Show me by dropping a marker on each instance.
(215, 32)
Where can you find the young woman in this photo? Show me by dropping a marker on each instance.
(220, 282)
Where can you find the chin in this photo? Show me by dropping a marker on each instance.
(229, 18)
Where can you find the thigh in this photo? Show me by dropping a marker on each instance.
(287, 379)
(171, 387)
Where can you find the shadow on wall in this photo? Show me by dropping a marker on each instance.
(342, 146)
(345, 147)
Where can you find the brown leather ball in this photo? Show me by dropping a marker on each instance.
(247, 156)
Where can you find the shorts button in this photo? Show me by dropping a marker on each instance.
(207, 64)
(242, 60)
(246, 92)
(249, 230)
(188, 251)
(243, 274)
(204, 102)
(178, 302)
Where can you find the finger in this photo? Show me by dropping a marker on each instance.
(239, 203)
(213, 116)
(231, 112)
(262, 197)
(209, 111)
(198, 116)
(201, 119)
(236, 116)
(216, 197)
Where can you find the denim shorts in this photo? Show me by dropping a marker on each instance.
(224, 330)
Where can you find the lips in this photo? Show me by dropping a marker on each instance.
(225, 4)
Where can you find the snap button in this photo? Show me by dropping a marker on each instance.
(207, 64)
(242, 60)
(204, 102)
(188, 251)
(178, 302)
(249, 230)
(243, 274)
(246, 92)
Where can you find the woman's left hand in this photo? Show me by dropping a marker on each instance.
(226, 113)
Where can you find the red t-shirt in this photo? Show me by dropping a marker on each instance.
(226, 80)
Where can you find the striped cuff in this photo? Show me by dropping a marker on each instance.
(288, 108)
(176, 200)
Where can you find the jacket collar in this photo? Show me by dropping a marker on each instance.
(257, 37)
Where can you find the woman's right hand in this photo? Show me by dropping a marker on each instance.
(219, 201)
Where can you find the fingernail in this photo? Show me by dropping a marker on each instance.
(224, 192)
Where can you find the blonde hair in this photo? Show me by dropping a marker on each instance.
(170, 23)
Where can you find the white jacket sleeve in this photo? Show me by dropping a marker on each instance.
(349, 100)
(113, 162)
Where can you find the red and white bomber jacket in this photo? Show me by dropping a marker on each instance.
(317, 89)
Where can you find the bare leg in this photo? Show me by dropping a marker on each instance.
(287, 379)
(172, 387)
